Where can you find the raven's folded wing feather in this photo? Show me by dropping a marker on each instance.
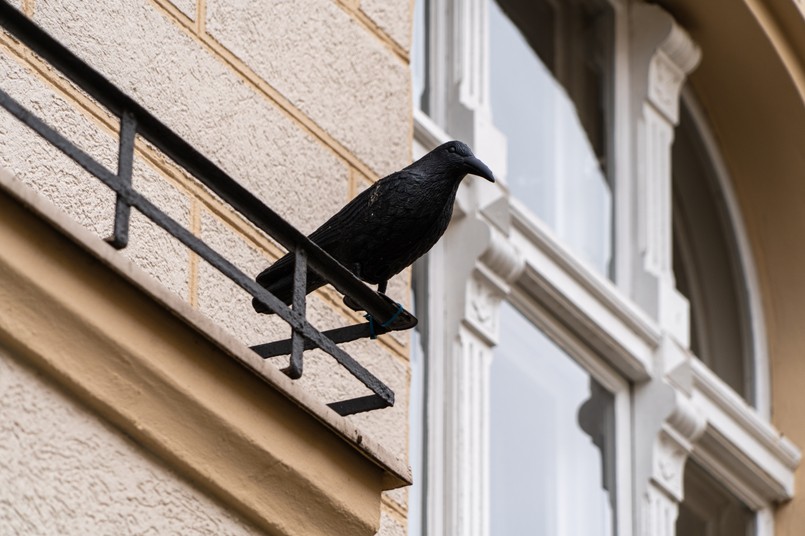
(332, 236)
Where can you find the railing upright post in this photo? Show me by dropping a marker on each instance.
(294, 369)
(125, 163)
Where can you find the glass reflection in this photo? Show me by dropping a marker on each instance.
(417, 408)
(709, 509)
(552, 439)
(549, 89)
(419, 55)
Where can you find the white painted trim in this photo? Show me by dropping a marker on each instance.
(582, 298)
(427, 132)
(748, 455)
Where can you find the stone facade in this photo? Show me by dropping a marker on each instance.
(302, 104)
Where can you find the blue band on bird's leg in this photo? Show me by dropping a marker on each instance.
(371, 319)
(387, 323)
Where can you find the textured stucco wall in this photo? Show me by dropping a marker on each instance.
(305, 103)
(66, 472)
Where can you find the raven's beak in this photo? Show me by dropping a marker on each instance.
(476, 167)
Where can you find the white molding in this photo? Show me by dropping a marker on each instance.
(745, 451)
(427, 132)
(682, 428)
(661, 57)
(662, 513)
(463, 304)
(589, 304)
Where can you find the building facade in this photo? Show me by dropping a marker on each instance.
(606, 347)
(131, 401)
(609, 337)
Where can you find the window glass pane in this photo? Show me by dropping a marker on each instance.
(419, 51)
(549, 94)
(552, 439)
(707, 266)
(416, 408)
(709, 509)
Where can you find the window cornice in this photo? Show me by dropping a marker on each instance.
(753, 458)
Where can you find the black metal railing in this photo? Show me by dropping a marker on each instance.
(134, 119)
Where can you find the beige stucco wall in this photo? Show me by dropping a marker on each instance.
(64, 471)
(305, 103)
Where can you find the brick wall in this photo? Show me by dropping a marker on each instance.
(304, 102)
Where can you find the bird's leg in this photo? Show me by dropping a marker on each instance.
(381, 288)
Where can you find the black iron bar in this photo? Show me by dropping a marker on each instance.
(136, 200)
(208, 173)
(135, 119)
(125, 163)
(349, 363)
(358, 405)
(337, 335)
(294, 370)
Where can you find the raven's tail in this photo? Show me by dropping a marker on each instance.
(278, 279)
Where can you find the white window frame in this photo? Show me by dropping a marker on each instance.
(632, 332)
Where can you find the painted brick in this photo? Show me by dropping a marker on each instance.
(188, 7)
(44, 168)
(399, 496)
(332, 68)
(332, 382)
(150, 247)
(389, 426)
(393, 17)
(327, 65)
(83, 197)
(221, 299)
(175, 77)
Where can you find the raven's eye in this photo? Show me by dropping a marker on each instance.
(451, 149)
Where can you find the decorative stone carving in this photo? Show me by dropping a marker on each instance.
(502, 258)
(667, 424)
(676, 56)
(482, 303)
(674, 442)
(662, 56)
(661, 512)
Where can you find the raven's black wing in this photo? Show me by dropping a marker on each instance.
(335, 236)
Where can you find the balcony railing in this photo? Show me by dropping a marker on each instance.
(134, 120)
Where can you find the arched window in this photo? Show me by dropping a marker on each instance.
(559, 395)
(709, 267)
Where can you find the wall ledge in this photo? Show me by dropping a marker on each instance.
(176, 383)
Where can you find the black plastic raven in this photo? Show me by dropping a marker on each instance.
(387, 226)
